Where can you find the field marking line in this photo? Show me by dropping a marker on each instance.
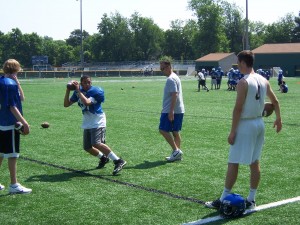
(248, 211)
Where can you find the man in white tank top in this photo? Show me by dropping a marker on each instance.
(246, 137)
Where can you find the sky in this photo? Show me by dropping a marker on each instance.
(58, 18)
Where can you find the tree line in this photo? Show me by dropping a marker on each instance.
(219, 27)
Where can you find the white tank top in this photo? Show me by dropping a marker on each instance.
(255, 100)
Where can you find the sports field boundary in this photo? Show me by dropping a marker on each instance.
(248, 211)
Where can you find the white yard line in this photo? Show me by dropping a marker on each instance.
(248, 211)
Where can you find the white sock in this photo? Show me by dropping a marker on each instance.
(251, 196)
(113, 156)
(225, 193)
(99, 155)
(14, 185)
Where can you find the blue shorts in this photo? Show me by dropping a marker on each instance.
(168, 126)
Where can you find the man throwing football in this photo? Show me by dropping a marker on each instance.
(89, 99)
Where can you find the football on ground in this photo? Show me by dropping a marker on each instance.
(268, 109)
(71, 86)
(45, 125)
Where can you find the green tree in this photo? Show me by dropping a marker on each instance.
(116, 38)
(190, 30)
(147, 38)
(95, 47)
(20, 46)
(211, 36)
(58, 51)
(281, 31)
(257, 35)
(233, 26)
(75, 37)
(296, 30)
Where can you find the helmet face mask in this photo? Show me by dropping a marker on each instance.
(232, 206)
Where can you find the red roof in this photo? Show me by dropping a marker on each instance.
(278, 48)
(213, 57)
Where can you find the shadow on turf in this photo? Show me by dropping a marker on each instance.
(147, 165)
(4, 195)
(55, 177)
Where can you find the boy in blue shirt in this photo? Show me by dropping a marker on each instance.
(11, 95)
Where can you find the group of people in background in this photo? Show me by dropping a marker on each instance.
(233, 75)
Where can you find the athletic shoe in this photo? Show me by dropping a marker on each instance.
(119, 164)
(216, 204)
(103, 160)
(250, 205)
(175, 156)
(2, 187)
(19, 189)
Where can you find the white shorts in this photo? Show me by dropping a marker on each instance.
(249, 142)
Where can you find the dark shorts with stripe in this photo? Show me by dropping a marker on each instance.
(9, 144)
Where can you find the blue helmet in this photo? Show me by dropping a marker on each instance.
(232, 206)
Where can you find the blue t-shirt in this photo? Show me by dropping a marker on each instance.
(285, 88)
(9, 96)
(97, 96)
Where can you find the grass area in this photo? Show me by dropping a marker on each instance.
(67, 189)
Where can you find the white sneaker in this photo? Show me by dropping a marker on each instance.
(175, 156)
(19, 189)
(2, 187)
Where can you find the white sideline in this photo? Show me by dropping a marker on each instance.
(248, 211)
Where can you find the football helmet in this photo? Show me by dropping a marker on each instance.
(232, 206)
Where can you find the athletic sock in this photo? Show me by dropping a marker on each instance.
(225, 193)
(251, 196)
(99, 155)
(14, 185)
(113, 156)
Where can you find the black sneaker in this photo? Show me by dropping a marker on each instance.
(102, 162)
(216, 204)
(119, 164)
(250, 205)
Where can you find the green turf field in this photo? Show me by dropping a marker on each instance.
(67, 189)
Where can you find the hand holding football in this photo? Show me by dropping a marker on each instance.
(268, 109)
(19, 127)
(45, 125)
(71, 86)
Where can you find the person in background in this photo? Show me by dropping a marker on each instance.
(220, 74)
(172, 111)
(201, 80)
(213, 75)
(280, 78)
(11, 95)
(246, 137)
(89, 99)
(284, 87)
